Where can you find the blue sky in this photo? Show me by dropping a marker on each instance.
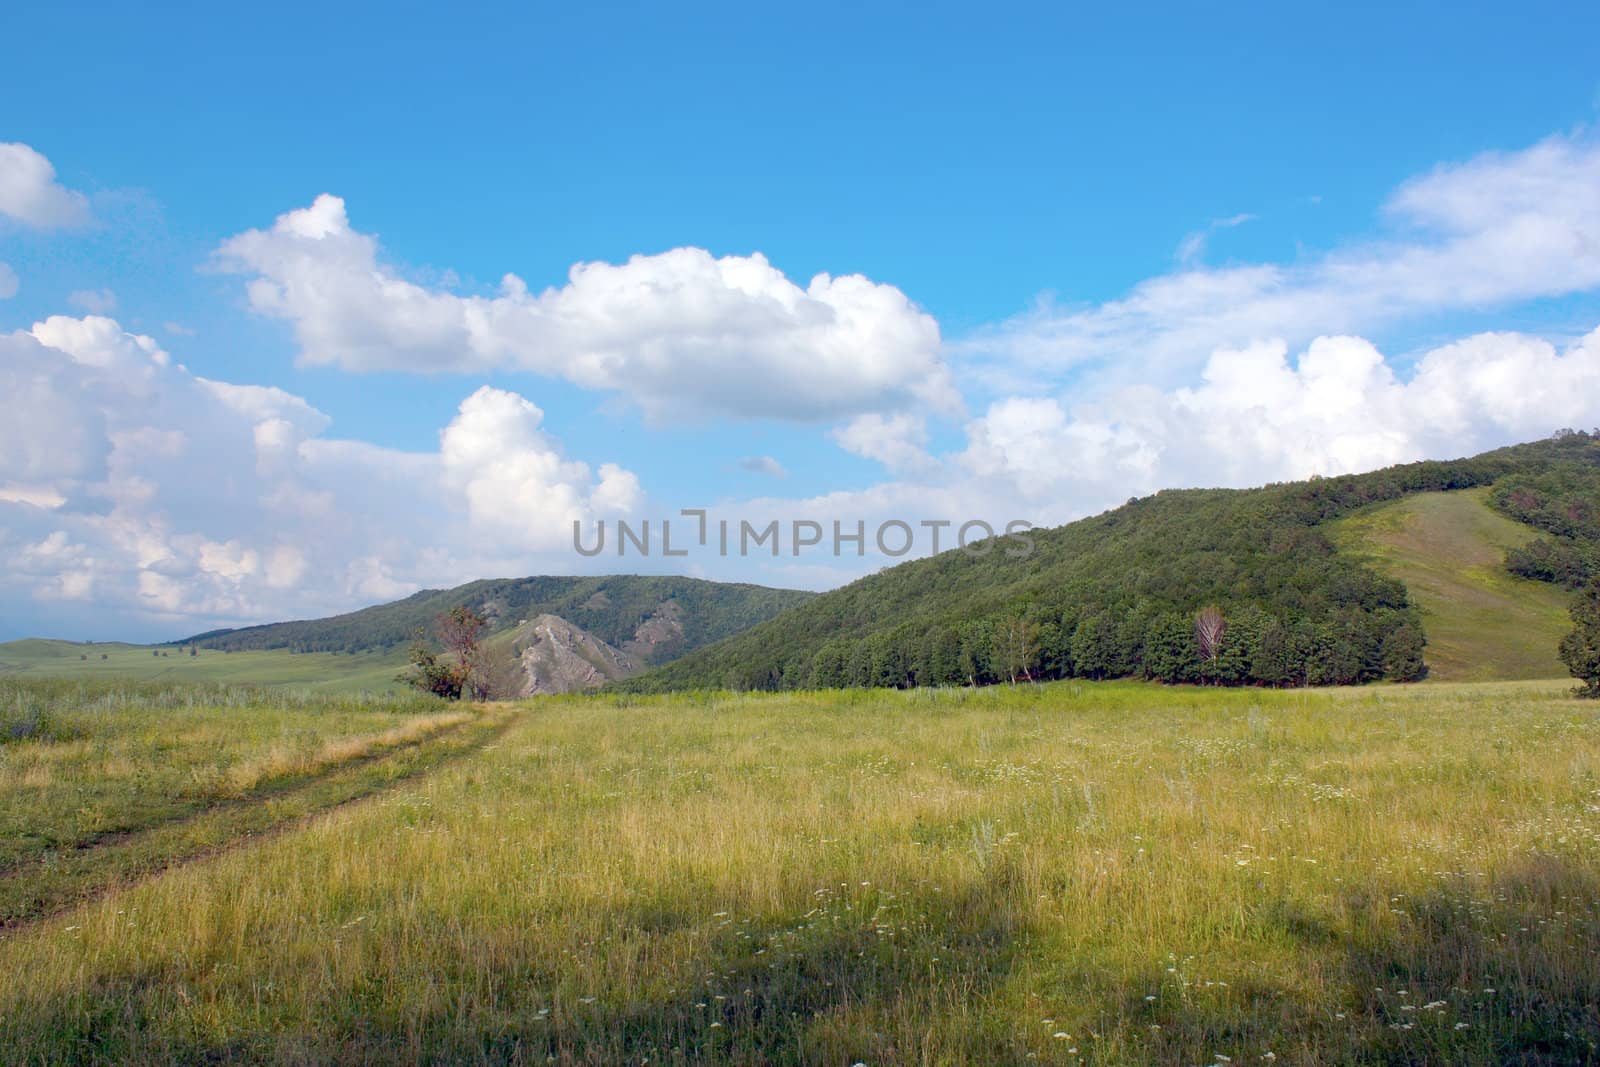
(1059, 216)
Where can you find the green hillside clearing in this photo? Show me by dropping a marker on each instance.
(1481, 621)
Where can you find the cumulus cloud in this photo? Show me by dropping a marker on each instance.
(30, 194)
(1501, 228)
(514, 477)
(173, 499)
(8, 281)
(897, 441)
(682, 333)
(1257, 416)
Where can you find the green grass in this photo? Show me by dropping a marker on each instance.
(1482, 622)
(1071, 873)
(99, 781)
(331, 672)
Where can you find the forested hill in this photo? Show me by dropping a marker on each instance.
(659, 617)
(1117, 595)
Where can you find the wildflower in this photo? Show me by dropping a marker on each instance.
(1062, 1035)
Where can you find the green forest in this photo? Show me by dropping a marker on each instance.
(1119, 595)
(1563, 502)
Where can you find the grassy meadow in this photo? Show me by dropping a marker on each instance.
(1069, 873)
(1482, 621)
(329, 672)
(100, 783)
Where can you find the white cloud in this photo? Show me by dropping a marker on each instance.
(898, 441)
(176, 500)
(30, 194)
(94, 301)
(8, 281)
(1501, 228)
(1257, 417)
(680, 334)
(516, 482)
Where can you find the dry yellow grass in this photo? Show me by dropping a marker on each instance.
(287, 760)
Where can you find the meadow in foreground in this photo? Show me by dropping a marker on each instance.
(1071, 873)
(101, 781)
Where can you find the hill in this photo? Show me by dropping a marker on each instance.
(652, 619)
(1482, 621)
(1116, 595)
(546, 634)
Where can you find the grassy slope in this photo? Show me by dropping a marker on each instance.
(1059, 874)
(1449, 548)
(323, 671)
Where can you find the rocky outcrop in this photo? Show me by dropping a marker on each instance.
(557, 657)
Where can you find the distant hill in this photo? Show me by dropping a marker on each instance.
(1482, 621)
(650, 619)
(1116, 595)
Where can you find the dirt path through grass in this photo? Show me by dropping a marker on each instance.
(59, 879)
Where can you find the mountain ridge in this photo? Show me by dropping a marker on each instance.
(651, 618)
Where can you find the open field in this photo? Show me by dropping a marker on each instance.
(331, 672)
(1482, 622)
(1071, 873)
(102, 782)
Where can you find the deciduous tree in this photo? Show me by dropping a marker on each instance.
(462, 674)
(1580, 649)
(1209, 627)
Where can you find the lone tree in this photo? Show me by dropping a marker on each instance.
(1580, 650)
(459, 673)
(1209, 626)
(1016, 646)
